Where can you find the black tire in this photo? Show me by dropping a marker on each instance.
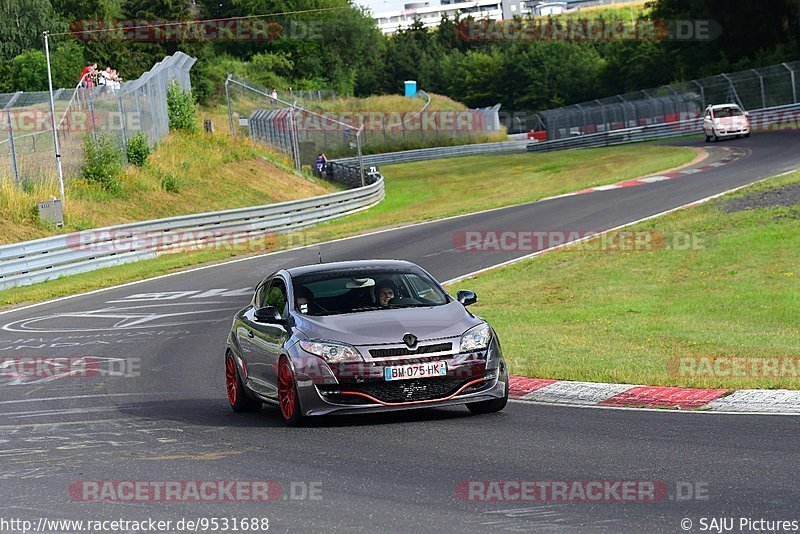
(747, 134)
(708, 139)
(237, 396)
(489, 406)
(716, 137)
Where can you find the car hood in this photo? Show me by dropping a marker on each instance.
(389, 326)
(731, 121)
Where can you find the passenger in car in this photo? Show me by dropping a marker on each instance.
(303, 298)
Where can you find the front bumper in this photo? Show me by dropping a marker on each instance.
(361, 388)
(731, 130)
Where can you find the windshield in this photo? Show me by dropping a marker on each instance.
(728, 112)
(353, 291)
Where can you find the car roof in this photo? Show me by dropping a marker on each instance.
(720, 106)
(354, 264)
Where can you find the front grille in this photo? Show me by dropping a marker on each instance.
(409, 390)
(405, 351)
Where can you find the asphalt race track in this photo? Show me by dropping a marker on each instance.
(154, 408)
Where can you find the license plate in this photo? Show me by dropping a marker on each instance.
(417, 370)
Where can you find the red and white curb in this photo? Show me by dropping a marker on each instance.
(733, 154)
(634, 396)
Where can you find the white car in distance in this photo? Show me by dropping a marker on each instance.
(725, 120)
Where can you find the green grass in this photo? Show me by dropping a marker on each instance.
(416, 192)
(428, 190)
(385, 104)
(382, 115)
(579, 314)
(186, 173)
(628, 11)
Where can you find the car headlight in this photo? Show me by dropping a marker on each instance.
(476, 338)
(332, 352)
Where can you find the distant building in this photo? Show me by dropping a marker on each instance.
(542, 9)
(392, 21)
(430, 16)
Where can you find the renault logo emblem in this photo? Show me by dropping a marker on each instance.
(410, 340)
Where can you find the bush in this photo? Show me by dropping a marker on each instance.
(169, 182)
(138, 149)
(102, 163)
(181, 109)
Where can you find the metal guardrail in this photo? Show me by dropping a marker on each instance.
(52, 257)
(49, 258)
(423, 154)
(765, 87)
(758, 118)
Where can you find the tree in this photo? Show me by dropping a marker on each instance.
(23, 22)
(348, 42)
(749, 31)
(542, 75)
(414, 54)
(79, 10)
(475, 77)
(28, 71)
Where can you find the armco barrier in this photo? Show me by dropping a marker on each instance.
(759, 118)
(51, 257)
(423, 154)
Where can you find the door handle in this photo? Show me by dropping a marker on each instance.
(250, 334)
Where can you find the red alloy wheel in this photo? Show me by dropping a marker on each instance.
(287, 397)
(230, 380)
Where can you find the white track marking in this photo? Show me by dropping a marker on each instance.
(75, 397)
(620, 227)
(259, 256)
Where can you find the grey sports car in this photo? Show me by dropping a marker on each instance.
(361, 336)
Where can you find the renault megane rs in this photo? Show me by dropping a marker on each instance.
(361, 336)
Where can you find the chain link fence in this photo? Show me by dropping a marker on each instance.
(773, 86)
(27, 151)
(290, 129)
(302, 134)
(308, 96)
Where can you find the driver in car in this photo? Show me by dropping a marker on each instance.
(385, 291)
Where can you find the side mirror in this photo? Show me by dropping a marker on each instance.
(746, 113)
(467, 297)
(267, 314)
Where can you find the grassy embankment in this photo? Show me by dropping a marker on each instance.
(667, 316)
(187, 173)
(416, 192)
(392, 122)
